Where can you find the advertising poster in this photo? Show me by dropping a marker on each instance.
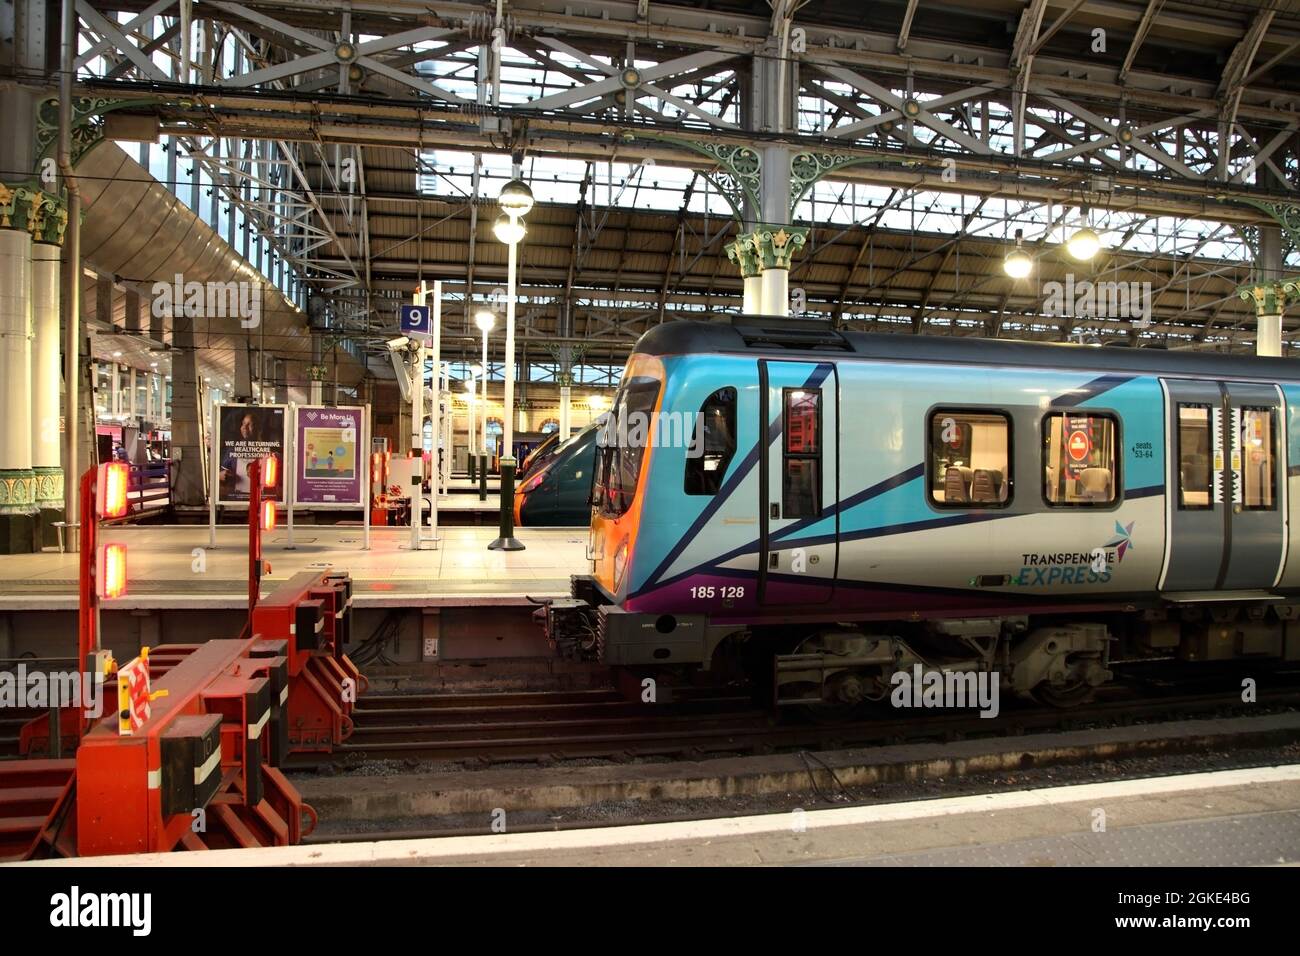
(246, 433)
(328, 471)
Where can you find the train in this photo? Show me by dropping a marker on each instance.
(540, 452)
(556, 492)
(818, 509)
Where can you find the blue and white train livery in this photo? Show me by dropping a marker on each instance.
(851, 504)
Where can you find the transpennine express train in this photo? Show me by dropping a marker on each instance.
(848, 505)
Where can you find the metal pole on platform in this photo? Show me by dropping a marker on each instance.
(286, 476)
(365, 492)
(435, 430)
(516, 200)
(71, 274)
(214, 459)
(416, 477)
(444, 392)
(471, 399)
(485, 320)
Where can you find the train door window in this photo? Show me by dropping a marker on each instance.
(969, 459)
(1258, 480)
(1195, 457)
(1079, 468)
(712, 443)
(801, 474)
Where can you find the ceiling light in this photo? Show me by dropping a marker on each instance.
(1017, 264)
(1084, 244)
(516, 198)
(485, 319)
(508, 229)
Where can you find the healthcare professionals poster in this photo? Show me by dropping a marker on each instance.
(246, 433)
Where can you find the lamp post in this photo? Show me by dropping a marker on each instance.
(485, 319)
(469, 440)
(515, 201)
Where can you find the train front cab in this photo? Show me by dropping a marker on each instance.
(764, 482)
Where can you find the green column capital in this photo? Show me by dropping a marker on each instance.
(1271, 298)
(741, 251)
(775, 246)
(50, 220)
(20, 206)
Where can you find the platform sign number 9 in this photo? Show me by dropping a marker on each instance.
(950, 433)
(798, 301)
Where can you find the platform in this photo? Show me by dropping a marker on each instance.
(173, 567)
(1234, 817)
(459, 486)
(462, 501)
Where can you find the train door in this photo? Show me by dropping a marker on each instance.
(1227, 486)
(798, 482)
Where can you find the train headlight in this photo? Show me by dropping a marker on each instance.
(532, 484)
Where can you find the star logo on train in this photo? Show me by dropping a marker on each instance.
(1123, 539)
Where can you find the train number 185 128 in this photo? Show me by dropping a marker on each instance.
(726, 591)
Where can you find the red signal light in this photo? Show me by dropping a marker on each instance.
(270, 471)
(110, 489)
(110, 571)
(268, 515)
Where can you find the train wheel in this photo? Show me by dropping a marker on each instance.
(1065, 695)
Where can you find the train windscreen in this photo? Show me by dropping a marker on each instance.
(622, 444)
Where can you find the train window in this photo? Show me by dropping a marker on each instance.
(1257, 472)
(970, 459)
(622, 443)
(801, 476)
(713, 443)
(1079, 460)
(1195, 454)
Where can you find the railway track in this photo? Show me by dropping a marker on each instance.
(601, 724)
